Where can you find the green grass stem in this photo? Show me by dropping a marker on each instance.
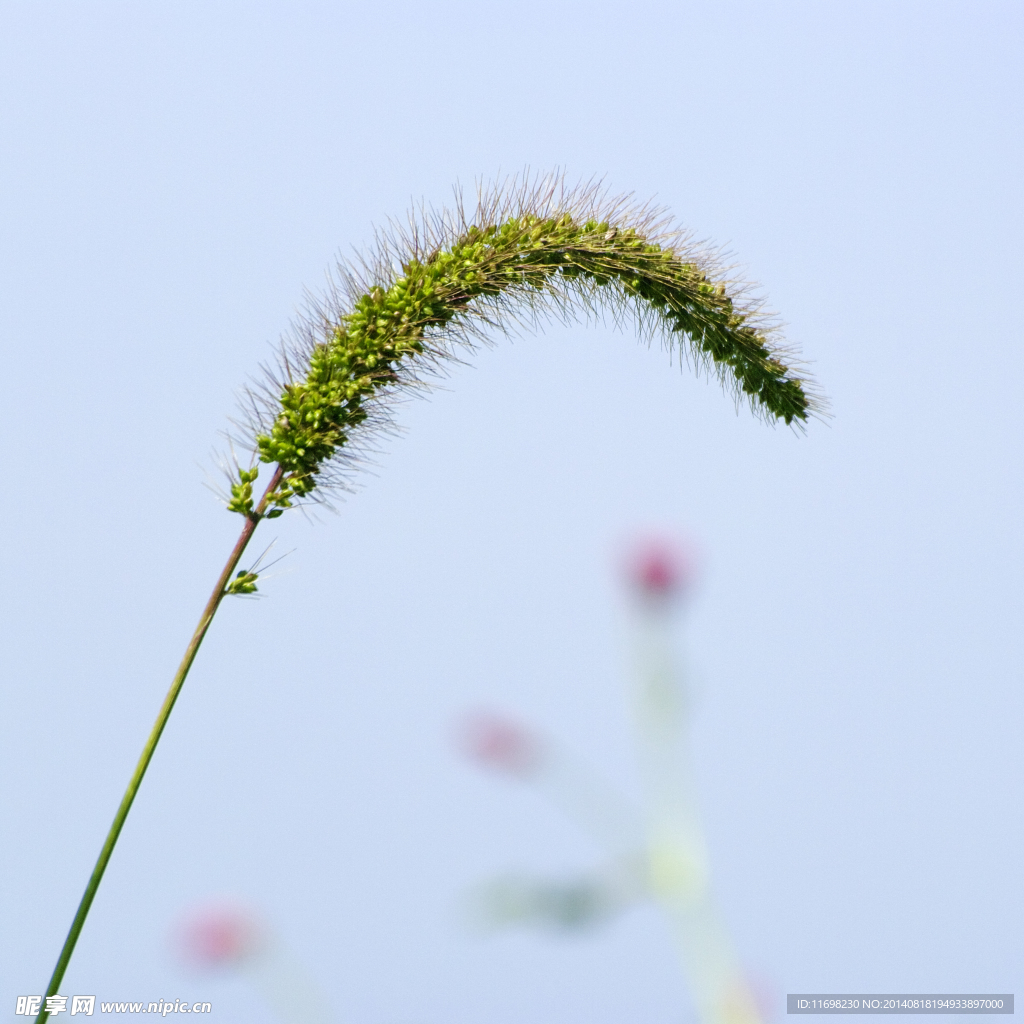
(219, 592)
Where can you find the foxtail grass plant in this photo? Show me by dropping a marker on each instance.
(527, 250)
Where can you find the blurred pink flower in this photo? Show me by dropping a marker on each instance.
(767, 996)
(658, 569)
(221, 936)
(501, 743)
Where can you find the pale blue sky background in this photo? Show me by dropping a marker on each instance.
(173, 175)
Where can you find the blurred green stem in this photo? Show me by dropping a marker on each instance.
(251, 522)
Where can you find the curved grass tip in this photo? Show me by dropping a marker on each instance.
(527, 248)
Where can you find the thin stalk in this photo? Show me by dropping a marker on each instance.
(251, 522)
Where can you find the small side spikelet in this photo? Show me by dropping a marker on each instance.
(527, 249)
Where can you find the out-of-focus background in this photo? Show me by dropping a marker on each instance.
(173, 176)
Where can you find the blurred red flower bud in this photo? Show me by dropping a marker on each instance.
(500, 743)
(658, 569)
(220, 937)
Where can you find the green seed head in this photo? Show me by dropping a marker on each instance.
(537, 245)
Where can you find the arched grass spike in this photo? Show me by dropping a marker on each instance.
(534, 248)
(528, 249)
